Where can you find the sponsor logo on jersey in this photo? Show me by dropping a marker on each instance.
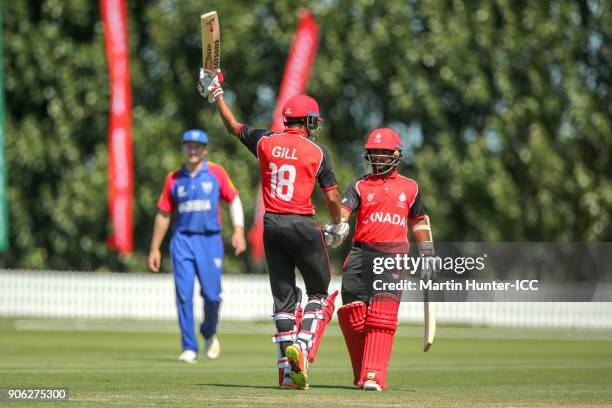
(207, 186)
(194, 205)
(402, 201)
(370, 196)
(386, 218)
(181, 191)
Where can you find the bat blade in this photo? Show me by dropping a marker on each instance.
(430, 322)
(211, 41)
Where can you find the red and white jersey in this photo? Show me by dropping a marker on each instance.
(384, 207)
(290, 164)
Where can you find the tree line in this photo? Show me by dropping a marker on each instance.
(504, 108)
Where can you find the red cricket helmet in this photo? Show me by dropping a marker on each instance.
(301, 107)
(384, 138)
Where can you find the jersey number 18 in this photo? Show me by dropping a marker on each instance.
(281, 181)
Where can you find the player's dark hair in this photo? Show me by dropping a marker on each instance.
(289, 122)
(310, 122)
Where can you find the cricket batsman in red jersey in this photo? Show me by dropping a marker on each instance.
(291, 163)
(385, 204)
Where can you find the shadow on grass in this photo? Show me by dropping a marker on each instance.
(261, 387)
(341, 387)
(312, 387)
(353, 388)
(156, 360)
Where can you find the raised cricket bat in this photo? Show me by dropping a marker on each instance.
(211, 41)
(430, 321)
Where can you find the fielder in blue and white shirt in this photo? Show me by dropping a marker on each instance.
(194, 193)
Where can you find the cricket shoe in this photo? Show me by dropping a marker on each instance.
(299, 365)
(289, 384)
(212, 348)
(188, 356)
(371, 385)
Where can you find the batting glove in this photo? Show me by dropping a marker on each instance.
(429, 270)
(214, 88)
(209, 85)
(203, 83)
(335, 234)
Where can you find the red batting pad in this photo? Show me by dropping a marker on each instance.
(327, 309)
(380, 326)
(352, 318)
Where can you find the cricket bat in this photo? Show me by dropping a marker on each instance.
(430, 321)
(211, 41)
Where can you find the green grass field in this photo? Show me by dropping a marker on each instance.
(133, 364)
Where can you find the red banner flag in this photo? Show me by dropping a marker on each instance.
(120, 168)
(297, 70)
(299, 63)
